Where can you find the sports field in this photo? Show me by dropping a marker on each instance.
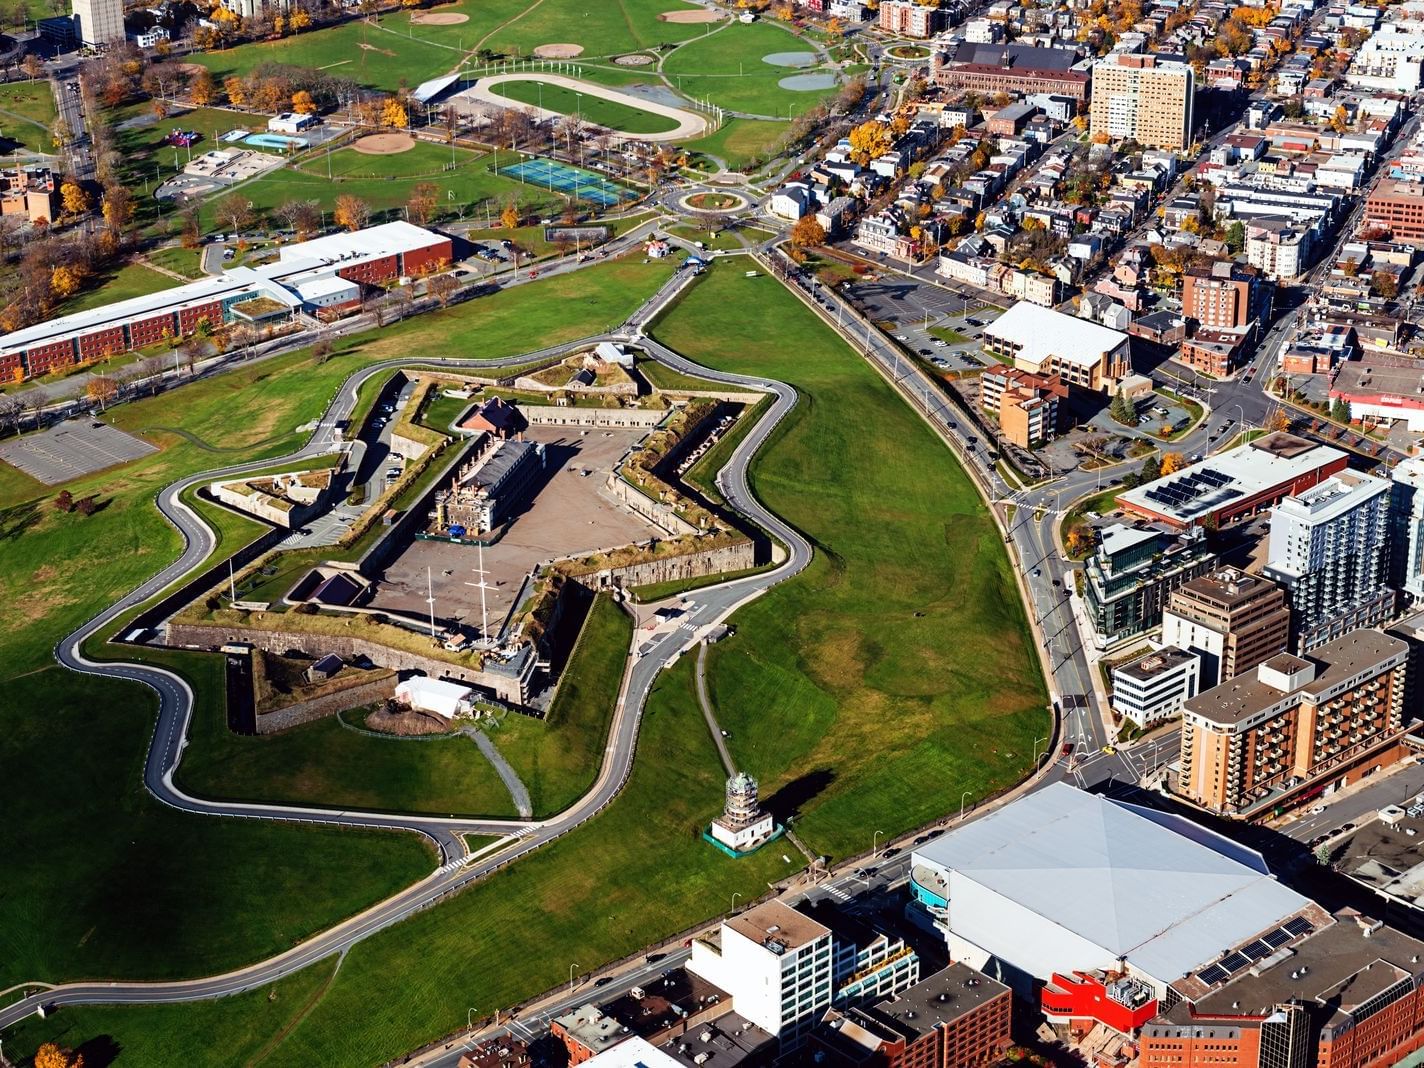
(729, 69)
(592, 109)
(602, 27)
(898, 670)
(386, 182)
(740, 143)
(571, 181)
(26, 116)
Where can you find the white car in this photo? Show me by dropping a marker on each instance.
(901, 337)
(939, 342)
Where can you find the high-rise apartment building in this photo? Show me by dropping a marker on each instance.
(101, 22)
(776, 963)
(1406, 521)
(1230, 619)
(1296, 724)
(1398, 207)
(1329, 549)
(908, 18)
(1144, 97)
(1229, 303)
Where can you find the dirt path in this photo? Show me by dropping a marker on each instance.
(512, 782)
(709, 715)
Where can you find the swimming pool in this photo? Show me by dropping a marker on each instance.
(267, 140)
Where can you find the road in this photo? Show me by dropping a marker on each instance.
(703, 610)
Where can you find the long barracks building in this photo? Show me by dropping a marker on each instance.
(324, 274)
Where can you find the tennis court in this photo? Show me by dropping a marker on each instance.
(561, 178)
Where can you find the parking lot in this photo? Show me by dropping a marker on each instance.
(71, 449)
(1387, 856)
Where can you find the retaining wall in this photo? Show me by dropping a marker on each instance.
(738, 556)
(326, 705)
(553, 415)
(660, 515)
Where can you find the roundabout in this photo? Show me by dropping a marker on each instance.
(717, 202)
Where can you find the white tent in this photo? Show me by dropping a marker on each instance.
(443, 698)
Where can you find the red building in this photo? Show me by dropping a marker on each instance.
(368, 257)
(1399, 208)
(957, 1018)
(1088, 998)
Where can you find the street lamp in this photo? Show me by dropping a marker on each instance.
(1036, 749)
(962, 798)
(470, 1021)
(874, 839)
(572, 969)
(734, 901)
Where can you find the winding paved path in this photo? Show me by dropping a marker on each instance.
(175, 711)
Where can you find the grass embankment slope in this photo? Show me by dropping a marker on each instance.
(898, 670)
(102, 880)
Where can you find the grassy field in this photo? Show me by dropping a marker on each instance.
(593, 109)
(185, 261)
(602, 27)
(727, 68)
(559, 758)
(898, 670)
(635, 873)
(235, 1030)
(26, 116)
(367, 53)
(739, 142)
(325, 763)
(101, 880)
(385, 182)
(130, 280)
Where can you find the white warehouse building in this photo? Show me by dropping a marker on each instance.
(1063, 880)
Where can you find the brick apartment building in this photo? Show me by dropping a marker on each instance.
(1028, 406)
(1144, 97)
(1230, 619)
(1280, 735)
(1010, 68)
(29, 191)
(909, 18)
(1229, 302)
(956, 1018)
(1398, 206)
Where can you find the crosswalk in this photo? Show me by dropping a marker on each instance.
(837, 893)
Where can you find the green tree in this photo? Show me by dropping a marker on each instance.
(1151, 469)
(1236, 237)
(1340, 410)
(1122, 409)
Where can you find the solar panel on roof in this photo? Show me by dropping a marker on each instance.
(1213, 975)
(1299, 926)
(1276, 938)
(1234, 962)
(1257, 950)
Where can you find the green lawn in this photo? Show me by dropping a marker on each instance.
(185, 261)
(324, 763)
(26, 116)
(627, 878)
(660, 376)
(559, 757)
(740, 143)
(235, 1030)
(727, 68)
(482, 16)
(898, 670)
(137, 890)
(130, 280)
(602, 27)
(593, 109)
(725, 241)
(366, 53)
(385, 182)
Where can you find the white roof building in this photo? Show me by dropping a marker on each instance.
(634, 1052)
(445, 699)
(1062, 879)
(1043, 341)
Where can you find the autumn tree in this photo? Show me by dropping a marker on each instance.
(189, 226)
(60, 133)
(102, 390)
(117, 208)
(442, 287)
(869, 140)
(64, 502)
(423, 202)
(236, 91)
(203, 90)
(32, 66)
(1384, 284)
(1279, 421)
(351, 212)
(393, 114)
(235, 213)
(302, 103)
(509, 215)
(64, 281)
(1079, 539)
(808, 233)
(1172, 462)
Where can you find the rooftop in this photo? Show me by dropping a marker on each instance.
(1150, 887)
(1039, 333)
(667, 1002)
(1355, 653)
(634, 1052)
(1403, 385)
(590, 1028)
(777, 926)
(942, 998)
(1156, 663)
(727, 1041)
(1019, 57)
(1225, 588)
(1260, 467)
